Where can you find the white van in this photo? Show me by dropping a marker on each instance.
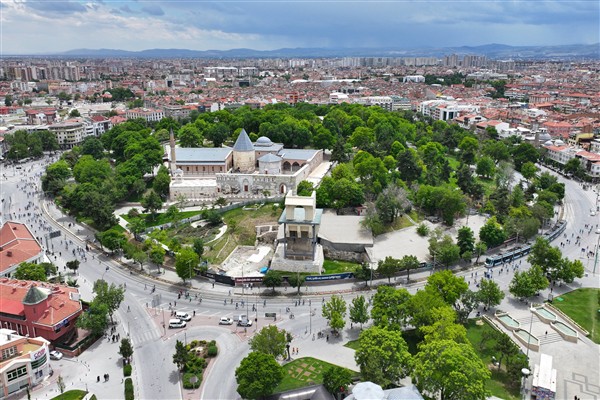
(183, 316)
(176, 323)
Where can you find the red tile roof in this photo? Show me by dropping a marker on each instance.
(17, 244)
(60, 304)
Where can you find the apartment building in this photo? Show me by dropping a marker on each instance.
(70, 134)
(150, 115)
(24, 362)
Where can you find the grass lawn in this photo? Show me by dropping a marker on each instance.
(162, 218)
(582, 305)
(302, 372)
(71, 395)
(498, 385)
(336, 267)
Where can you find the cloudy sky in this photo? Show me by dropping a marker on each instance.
(45, 26)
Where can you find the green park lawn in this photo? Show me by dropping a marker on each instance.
(71, 395)
(337, 267)
(583, 306)
(162, 218)
(499, 384)
(303, 372)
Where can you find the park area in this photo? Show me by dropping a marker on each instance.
(583, 306)
(303, 372)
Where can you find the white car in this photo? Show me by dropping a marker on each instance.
(225, 321)
(56, 355)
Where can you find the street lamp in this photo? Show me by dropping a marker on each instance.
(105, 271)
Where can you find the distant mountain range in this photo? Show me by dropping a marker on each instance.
(494, 51)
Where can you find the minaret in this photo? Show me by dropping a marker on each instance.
(172, 165)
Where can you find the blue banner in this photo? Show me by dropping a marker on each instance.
(316, 278)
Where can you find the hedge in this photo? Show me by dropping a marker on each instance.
(127, 370)
(186, 380)
(129, 389)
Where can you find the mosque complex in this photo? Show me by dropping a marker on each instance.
(246, 170)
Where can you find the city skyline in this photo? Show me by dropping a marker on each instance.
(43, 27)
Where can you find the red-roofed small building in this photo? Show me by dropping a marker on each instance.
(17, 245)
(39, 308)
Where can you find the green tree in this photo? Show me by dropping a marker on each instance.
(527, 283)
(523, 153)
(73, 265)
(198, 246)
(112, 239)
(305, 188)
(489, 293)
(151, 202)
(337, 379)
(92, 146)
(364, 273)
(136, 226)
(447, 285)
(189, 136)
(391, 203)
(485, 167)
(443, 250)
(272, 279)
(74, 113)
(334, 311)
(383, 356)
(574, 166)
(409, 166)
(111, 296)
(359, 311)
(451, 370)
(480, 248)
(55, 178)
(491, 233)
(391, 308)
(181, 356)
(30, 272)
(388, 267)
(444, 327)
(126, 349)
(296, 281)
(157, 255)
(468, 147)
(161, 182)
(529, 170)
(185, 263)
(94, 319)
(407, 263)
(270, 340)
(465, 240)
(258, 375)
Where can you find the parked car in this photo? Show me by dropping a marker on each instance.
(176, 323)
(225, 321)
(56, 355)
(245, 322)
(183, 316)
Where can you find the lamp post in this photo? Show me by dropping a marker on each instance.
(105, 271)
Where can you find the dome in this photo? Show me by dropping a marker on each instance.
(549, 143)
(559, 142)
(545, 137)
(263, 141)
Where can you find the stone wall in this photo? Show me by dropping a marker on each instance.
(351, 256)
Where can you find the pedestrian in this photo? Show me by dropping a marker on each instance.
(327, 338)
(194, 313)
(98, 379)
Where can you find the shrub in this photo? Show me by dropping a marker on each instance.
(133, 213)
(129, 389)
(187, 384)
(127, 370)
(422, 230)
(212, 350)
